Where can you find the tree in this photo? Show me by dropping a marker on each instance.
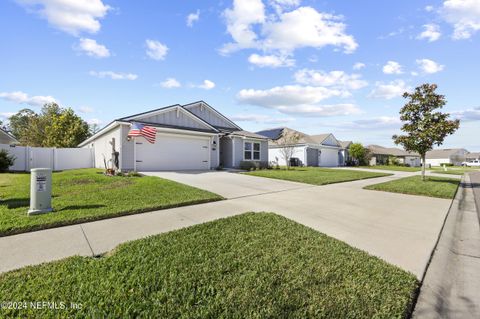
(423, 124)
(52, 127)
(358, 152)
(287, 141)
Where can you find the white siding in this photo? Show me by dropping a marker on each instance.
(437, 161)
(102, 148)
(175, 117)
(274, 155)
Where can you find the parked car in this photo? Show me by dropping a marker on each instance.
(474, 163)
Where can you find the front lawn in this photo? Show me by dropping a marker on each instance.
(254, 265)
(453, 170)
(87, 194)
(316, 175)
(394, 168)
(433, 187)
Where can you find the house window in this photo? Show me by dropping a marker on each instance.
(251, 151)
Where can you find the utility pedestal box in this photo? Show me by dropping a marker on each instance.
(40, 191)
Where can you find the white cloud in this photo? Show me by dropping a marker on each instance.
(281, 5)
(472, 114)
(91, 48)
(320, 110)
(359, 66)
(23, 98)
(429, 66)
(258, 118)
(94, 121)
(206, 85)
(192, 18)
(6, 115)
(270, 61)
(337, 79)
(288, 95)
(382, 122)
(250, 26)
(429, 8)
(389, 90)
(170, 83)
(85, 109)
(392, 67)
(431, 32)
(70, 16)
(114, 75)
(464, 15)
(156, 50)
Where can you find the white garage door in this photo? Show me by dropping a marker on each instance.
(328, 157)
(173, 152)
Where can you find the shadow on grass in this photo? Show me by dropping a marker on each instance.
(443, 181)
(12, 203)
(75, 207)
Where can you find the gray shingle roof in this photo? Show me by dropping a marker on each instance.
(345, 144)
(393, 151)
(443, 153)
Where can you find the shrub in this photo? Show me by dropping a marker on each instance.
(252, 165)
(6, 160)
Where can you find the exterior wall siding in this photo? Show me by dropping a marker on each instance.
(209, 116)
(127, 151)
(275, 154)
(175, 118)
(103, 149)
(238, 150)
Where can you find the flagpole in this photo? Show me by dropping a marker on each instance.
(134, 154)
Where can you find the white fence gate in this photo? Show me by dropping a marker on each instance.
(57, 159)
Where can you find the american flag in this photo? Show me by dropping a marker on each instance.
(148, 132)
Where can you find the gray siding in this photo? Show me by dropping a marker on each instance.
(214, 158)
(209, 116)
(239, 151)
(175, 118)
(127, 151)
(312, 157)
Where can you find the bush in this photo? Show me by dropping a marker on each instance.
(6, 160)
(252, 165)
(446, 164)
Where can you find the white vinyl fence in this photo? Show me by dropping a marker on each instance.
(57, 159)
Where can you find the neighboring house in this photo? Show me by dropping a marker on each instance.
(311, 150)
(7, 138)
(472, 156)
(453, 156)
(344, 152)
(380, 155)
(194, 136)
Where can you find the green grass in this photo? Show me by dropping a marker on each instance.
(316, 175)
(440, 187)
(87, 194)
(453, 170)
(254, 265)
(394, 168)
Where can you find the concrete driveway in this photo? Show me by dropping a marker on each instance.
(228, 184)
(401, 229)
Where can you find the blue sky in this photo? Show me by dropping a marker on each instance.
(315, 66)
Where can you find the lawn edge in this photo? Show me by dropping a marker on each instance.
(24, 230)
(336, 182)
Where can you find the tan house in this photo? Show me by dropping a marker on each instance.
(380, 155)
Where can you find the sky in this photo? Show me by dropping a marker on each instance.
(336, 67)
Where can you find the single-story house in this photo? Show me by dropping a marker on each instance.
(344, 152)
(194, 136)
(472, 156)
(311, 150)
(454, 156)
(379, 155)
(7, 138)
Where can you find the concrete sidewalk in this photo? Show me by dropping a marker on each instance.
(451, 287)
(401, 229)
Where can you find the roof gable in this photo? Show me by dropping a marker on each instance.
(210, 115)
(174, 115)
(6, 138)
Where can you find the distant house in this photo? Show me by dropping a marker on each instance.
(7, 138)
(453, 156)
(472, 156)
(380, 155)
(311, 150)
(344, 152)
